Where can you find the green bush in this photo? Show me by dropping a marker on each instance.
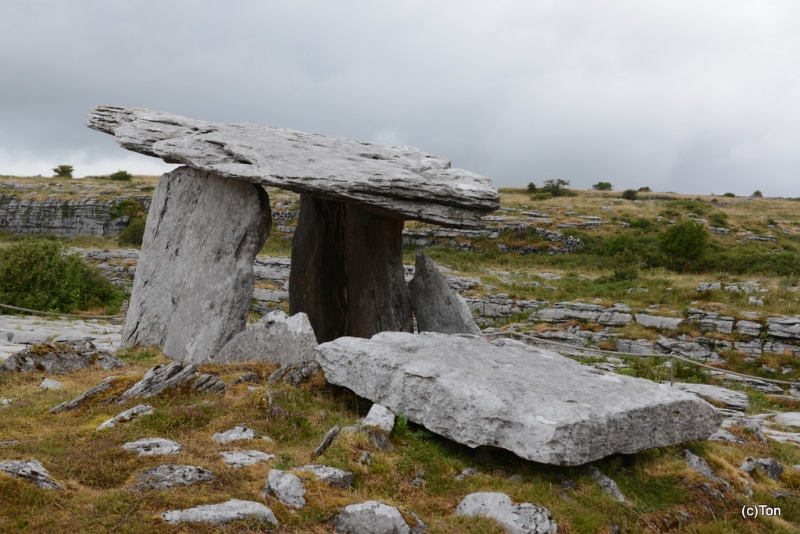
(626, 266)
(602, 186)
(36, 274)
(542, 196)
(729, 195)
(63, 171)
(557, 188)
(629, 194)
(133, 234)
(121, 176)
(531, 187)
(718, 219)
(683, 243)
(645, 189)
(757, 194)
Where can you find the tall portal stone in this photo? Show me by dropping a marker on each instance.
(195, 278)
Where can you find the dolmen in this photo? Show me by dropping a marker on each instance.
(210, 217)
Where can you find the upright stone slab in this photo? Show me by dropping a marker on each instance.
(436, 307)
(195, 278)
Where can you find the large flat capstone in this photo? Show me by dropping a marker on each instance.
(536, 403)
(396, 181)
(195, 277)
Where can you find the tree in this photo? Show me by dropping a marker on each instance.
(63, 171)
(684, 242)
(557, 188)
(645, 189)
(629, 194)
(602, 186)
(531, 187)
(757, 194)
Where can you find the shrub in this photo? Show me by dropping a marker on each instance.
(645, 189)
(626, 266)
(542, 196)
(642, 224)
(63, 171)
(602, 186)
(558, 188)
(36, 274)
(729, 195)
(133, 234)
(757, 194)
(121, 176)
(629, 194)
(531, 187)
(683, 242)
(718, 218)
(129, 206)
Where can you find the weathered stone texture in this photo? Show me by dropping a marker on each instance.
(276, 338)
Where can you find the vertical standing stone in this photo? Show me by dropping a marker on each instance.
(195, 278)
(347, 271)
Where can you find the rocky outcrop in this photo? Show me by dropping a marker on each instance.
(784, 328)
(540, 405)
(616, 315)
(60, 358)
(245, 458)
(276, 338)
(525, 518)
(436, 307)
(194, 280)
(658, 322)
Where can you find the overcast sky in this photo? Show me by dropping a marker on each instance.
(677, 95)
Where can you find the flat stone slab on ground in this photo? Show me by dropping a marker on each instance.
(374, 516)
(170, 475)
(104, 335)
(219, 514)
(31, 471)
(153, 446)
(245, 458)
(540, 405)
(733, 400)
(788, 419)
(336, 478)
(236, 433)
(525, 518)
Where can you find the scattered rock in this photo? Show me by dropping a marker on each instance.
(723, 435)
(327, 441)
(701, 467)
(374, 516)
(379, 417)
(733, 400)
(468, 472)
(276, 338)
(366, 458)
(75, 403)
(5, 402)
(517, 479)
(419, 478)
(771, 467)
(788, 419)
(245, 458)
(606, 484)
(235, 434)
(32, 471)
(208, 384)
(59, 358)
(127, 415)
(336, 478)
(219, 514)
(153, 447)
(511, 395)
(525, 518)
(49, 383)
(288, 488)
(436, 307)
(168, 476)
(249, 378)
(159, 379)
(294, 374)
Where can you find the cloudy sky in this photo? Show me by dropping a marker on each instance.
(678, 95)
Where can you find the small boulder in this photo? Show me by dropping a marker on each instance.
(335, 478)
(379, 417)
(771, 467)
(219, 514)
(127, 415)
(288, 488)
(153, 447)
(276, 338)
(373, 516)
(59, 358)
(606, 484)
(32, 471)
(168, 476)
(525, 518)
(49, 383)
(245, 458)
(235, 434)
(701, 467)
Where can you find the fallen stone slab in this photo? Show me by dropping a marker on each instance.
(60, 358)
(31, 471)
(540, 405)
(525, 518)
(286, 487)
(733, 400)
(379, 417)
(170, 475)
(194, 279)
(159, 379)
(153, 447)
(723, 435)
(206, 383)
(245, 458)
(374, 516)
(436, 307)
(276, 338)
(335, 478)
(402, 182)
(237, 433)
(127, 416)
(658, 322)
(222, 513)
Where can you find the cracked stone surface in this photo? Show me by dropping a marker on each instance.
(245, 458)
(374, 516)
(286, 487)
(234, 434)
(153, 447)
(525, 518)
(31, 471)
(336, 478)
(170, 475)
(127, 416)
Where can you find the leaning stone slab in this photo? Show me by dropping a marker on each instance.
(335, 478)
(219, 514)
(276, 338)
(540, 405)
(374, 516)
(733, 400)
(31, 471)
(436, 307)
(153, 447)
(159, 379)
(525, 518)
(401, 182)
(127, 416)
(169, 476)
(194, 279)
(379, 417)
(76, 403)
(288, 488)
(60, 358)
(245, 458)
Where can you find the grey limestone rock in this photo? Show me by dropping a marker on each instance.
(606, 484)
(468, 472)
(60, 358)
(219, 514)
(237, 433)
(436, 307)
(723, 435)
(525, 518)
(206, 383)
(374, 517)
(32, 471)
(636, 346)
(194, 280)
(540, 405)
(733, 400)
(286, 487)
(379, 417)
(276, 338)
(658, 322)
(159, 379)
(170, 475)
(771, 467)
(748, 328)
(245, 458)
(327, 441)
(127, 415)
(566, 311)
(701, 467)
(336, 478)
(784, 327)
(49, 383)
(788, 419)
(399, 181)
(153, 447)
(685, 348)
(78, 401)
